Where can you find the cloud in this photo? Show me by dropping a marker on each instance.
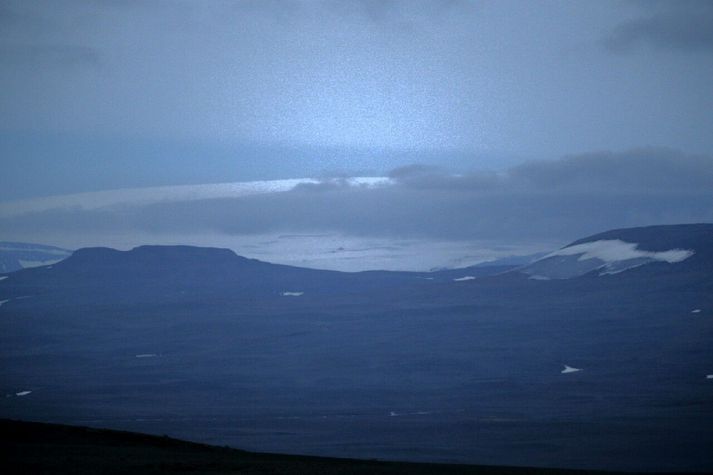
(545, 200)
(14, 16)
(44, 55)
(656, 170)
(683, 25)
(31, 37)
(472, 77)
(633, 171)
(390, 12)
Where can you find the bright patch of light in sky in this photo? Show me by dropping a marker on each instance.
(488, 80)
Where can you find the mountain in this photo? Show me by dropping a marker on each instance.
(186, 272)
(605, 369)
(20, 255)
(620, 250)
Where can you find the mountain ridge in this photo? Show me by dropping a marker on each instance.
(686, 247)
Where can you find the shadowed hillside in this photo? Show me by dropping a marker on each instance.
(29, 447)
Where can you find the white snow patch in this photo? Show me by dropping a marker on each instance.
(417, 413)
(615, 250)
(291, 294)
(696, 310)
(538, 277)
(147, 355)
(23, 393)
(609, 271)
(3, 277)
(461, 279)
(709, 376)
(569, 369)
(3, 302)
(30, 264)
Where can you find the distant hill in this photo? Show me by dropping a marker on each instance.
(188, 271)
(687, 246)
(20, 255)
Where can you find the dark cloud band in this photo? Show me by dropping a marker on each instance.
(559, 199)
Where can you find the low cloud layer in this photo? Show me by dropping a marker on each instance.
(540, 201)
(680, 25)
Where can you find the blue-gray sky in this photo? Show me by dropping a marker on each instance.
(98, 95)
(106, 94)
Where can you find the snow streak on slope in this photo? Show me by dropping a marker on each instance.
(609, 256)
(291, 294)
(615, 250)
(27, 264)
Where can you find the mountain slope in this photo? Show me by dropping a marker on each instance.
(29, 447)
(686, 247)
(19, 255)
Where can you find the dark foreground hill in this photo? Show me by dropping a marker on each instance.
(36, 448)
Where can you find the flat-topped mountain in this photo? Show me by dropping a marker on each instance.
(154, 255)
(104, 273)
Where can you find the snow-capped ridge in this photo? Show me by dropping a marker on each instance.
(615, 250)
(606, 256)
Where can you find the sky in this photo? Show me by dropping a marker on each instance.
(494, 127)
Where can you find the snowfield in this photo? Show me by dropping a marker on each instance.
(27, 264)
(615, 250)
(609, 256)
